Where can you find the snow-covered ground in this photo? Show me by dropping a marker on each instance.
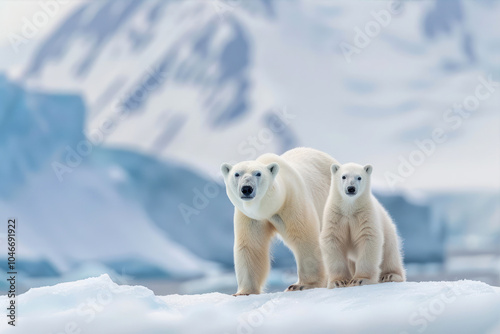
(98, 305)
(199, 81)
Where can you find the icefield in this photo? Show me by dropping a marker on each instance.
(98, 305)
(197, 82)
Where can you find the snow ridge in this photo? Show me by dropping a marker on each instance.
(98, 305)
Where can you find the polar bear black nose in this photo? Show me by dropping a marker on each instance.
(246, 190)
(351, 189)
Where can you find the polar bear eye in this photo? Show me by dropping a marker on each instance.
(237, 174)
(343, 177)
(359, 178)
(258, 174)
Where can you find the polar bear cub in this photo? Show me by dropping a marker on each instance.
(278, 194)
(359, 241)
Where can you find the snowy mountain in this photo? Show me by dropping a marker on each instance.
(200, 79)
(98, 305)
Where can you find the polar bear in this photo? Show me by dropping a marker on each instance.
(359, 241)
(278, 194)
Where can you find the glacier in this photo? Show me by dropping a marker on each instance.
(64, 224)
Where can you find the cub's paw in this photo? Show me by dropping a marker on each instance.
(338, 284)
(241, 294)
(391, 278)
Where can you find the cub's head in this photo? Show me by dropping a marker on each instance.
(351, 179)
(248, 180)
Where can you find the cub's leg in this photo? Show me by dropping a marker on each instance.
(251, 253)
(303, 240)
(369, 256)
(392, 262)
(334, 251)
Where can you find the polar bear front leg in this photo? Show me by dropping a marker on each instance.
(251, 253)
(336, 262)
(369, 257)
(334, 247)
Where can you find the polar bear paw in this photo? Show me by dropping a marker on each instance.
(343, 283)
(299, 287)
(391, 278)
(296, 287)
(359, 281)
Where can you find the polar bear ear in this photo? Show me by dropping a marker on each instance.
(335, 168)
(225, 168)
(368, 169)
(273, 168)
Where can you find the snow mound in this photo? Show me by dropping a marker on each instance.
(98, 305)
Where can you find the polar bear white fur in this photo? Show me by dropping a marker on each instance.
(278, 194)
(359, 241)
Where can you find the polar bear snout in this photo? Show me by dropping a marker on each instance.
(247, 193)
(351, 190)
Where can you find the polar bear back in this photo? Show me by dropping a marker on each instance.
(313, 167)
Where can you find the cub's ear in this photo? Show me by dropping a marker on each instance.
(225, 168)
(273, 168)
(335, 168)
(368, 169)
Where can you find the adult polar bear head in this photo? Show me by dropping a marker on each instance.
(351, 180)
(248, 183)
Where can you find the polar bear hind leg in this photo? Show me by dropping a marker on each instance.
(304, 245)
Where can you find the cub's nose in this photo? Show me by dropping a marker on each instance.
(351, 190)
(246, 190)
